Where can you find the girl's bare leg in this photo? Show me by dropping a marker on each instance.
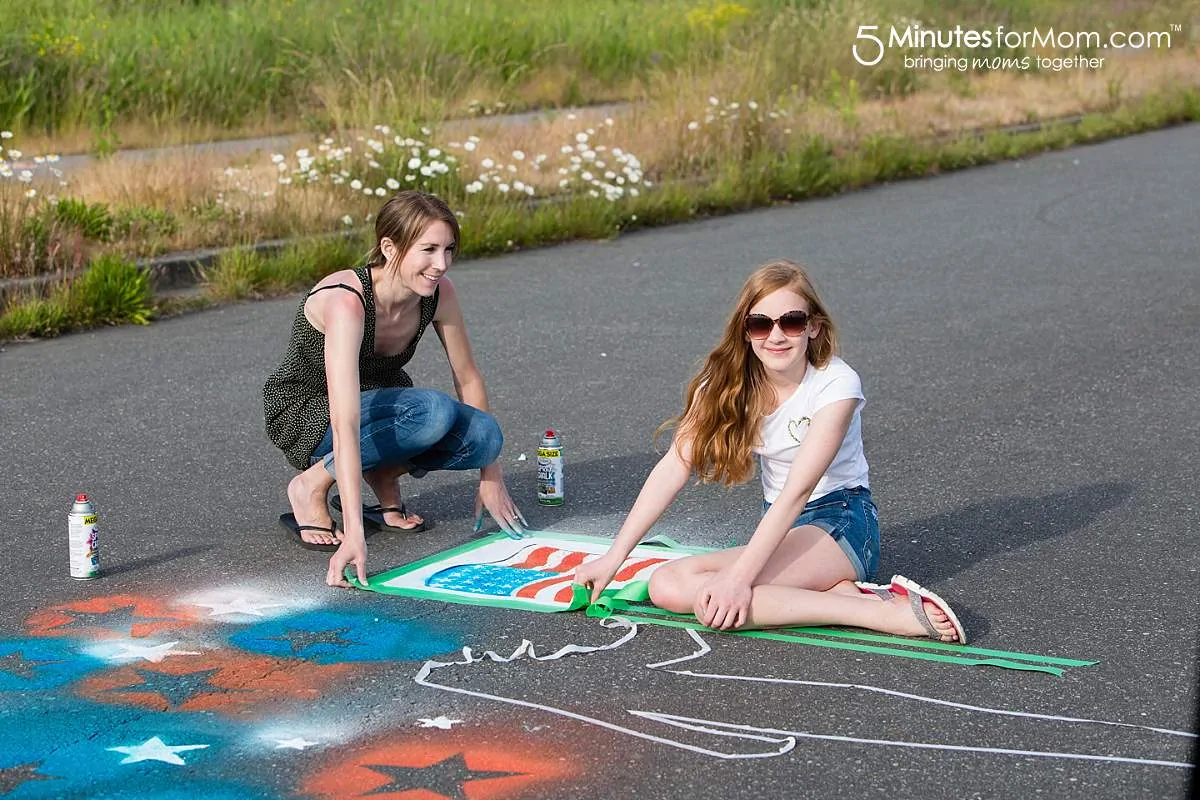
(807, 581)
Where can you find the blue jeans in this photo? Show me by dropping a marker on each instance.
(422, 428)
(849, 516)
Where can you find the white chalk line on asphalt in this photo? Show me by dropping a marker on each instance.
(785, 740)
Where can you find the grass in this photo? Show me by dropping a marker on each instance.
(726, 129)
(253, 65)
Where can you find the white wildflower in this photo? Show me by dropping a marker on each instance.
(380, 191)
(6, 134)
(487, 163)
(502, 187)
(518, 155)
(347, 220)
(393, 184)
(693, 126)
(581, 137)
(468, 146)
(712, 101)
(356, 184)
(276, 158)
(434, 152)
(413, 163)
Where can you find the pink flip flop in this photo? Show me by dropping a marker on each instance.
(917, 594)
(884, 593)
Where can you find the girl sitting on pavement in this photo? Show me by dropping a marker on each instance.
(342, 408)
(774, 387)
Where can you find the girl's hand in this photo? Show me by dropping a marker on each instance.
(723, 603)
(353, 550)
(597, 574)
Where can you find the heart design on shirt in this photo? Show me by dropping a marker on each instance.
(797, 428)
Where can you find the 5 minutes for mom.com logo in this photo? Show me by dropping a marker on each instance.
(870, 47)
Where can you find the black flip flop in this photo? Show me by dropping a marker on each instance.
(373, 517)
(289, 524)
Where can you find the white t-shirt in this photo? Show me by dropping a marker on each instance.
(784, 429)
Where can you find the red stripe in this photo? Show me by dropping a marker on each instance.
(536, 558)
(570, 562)
(565, 595)
(531, 589)
(636, 567)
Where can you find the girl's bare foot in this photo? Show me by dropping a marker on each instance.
(306, 493)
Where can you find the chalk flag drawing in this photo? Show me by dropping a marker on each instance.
(773, 741)
(532, 573)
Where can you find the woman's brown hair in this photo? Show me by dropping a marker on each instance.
(404, 217)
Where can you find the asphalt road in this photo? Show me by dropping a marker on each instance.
(1027, 336)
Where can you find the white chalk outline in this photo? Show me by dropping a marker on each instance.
(526, 649)
(785, 739)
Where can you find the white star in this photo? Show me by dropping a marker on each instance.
(238, 605)
(154, 653)
(298, 743)
(442, 722)
(155, 750)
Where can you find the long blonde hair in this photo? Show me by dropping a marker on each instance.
(724, 401)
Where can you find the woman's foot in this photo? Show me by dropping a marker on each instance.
(306, 493)
(383, 482)
(402, 518)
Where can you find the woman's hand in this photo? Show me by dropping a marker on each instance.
(493, 495)
(597, 574)
(353, 550)
(723, 603)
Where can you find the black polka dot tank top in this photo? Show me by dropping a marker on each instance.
(296, 397)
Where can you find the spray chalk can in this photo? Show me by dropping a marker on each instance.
(550, 470)
(84, 546)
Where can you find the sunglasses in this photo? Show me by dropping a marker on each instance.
(793, 323)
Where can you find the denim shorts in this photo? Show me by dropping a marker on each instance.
(850, 517)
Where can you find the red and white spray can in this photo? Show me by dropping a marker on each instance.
(84, 544)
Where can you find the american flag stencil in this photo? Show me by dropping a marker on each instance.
(534, 572)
